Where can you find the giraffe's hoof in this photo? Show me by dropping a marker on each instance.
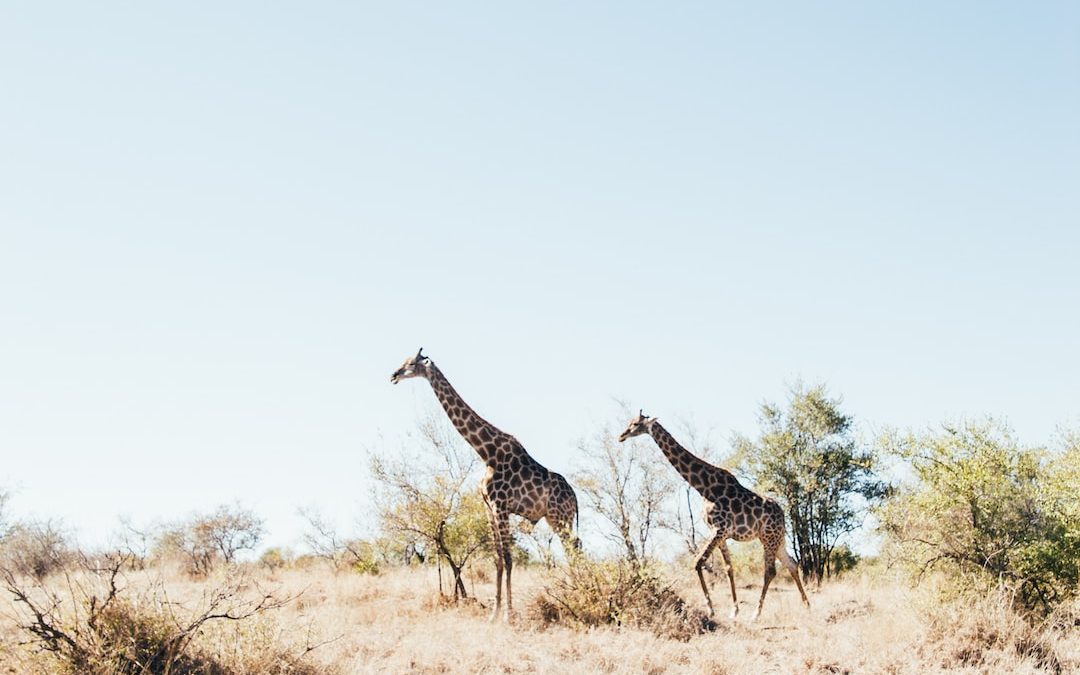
(734, 613)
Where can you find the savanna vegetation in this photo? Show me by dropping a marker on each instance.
(975, 569)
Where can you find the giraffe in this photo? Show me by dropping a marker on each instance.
(731, 510)
(514, 482)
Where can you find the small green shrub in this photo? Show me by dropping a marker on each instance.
(842, 560)
(364, 558)
(276, 558)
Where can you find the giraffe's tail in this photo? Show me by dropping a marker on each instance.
(577, 529)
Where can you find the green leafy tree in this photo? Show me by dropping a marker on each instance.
(1060, 500)
(429, 497)
(988, 511)
(808, 457)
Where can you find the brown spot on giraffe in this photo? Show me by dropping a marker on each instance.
(731, 510)
(514, 482)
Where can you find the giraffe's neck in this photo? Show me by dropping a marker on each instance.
(692, 468)
(482, 435)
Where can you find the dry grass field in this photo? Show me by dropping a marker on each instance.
(395, 623)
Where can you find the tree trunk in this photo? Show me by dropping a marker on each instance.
(459, 585)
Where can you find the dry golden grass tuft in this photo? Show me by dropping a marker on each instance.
(396, 623)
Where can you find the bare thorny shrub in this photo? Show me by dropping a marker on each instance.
(628, 486)
(616, 592)
(35, 548)
(92, 620)
(207, 540)
(969, 631)
(637, 498)
(340, 552)
(634, 493)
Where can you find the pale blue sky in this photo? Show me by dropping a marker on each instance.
(221, 229)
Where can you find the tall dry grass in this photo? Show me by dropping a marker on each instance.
(396, 622)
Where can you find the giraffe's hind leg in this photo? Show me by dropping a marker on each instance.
(562, 513)
(564, 527)
(770, 572)
(793, 570)
(731, 578)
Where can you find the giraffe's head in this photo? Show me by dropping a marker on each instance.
(414, 366)
(637, 426)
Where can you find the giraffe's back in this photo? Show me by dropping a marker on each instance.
(741, 514)
(521, 485)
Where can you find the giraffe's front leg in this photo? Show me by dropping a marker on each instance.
(700, 567)
(496, 543)
(502, 519)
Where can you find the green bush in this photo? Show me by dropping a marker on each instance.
(988, 512)
(363, 557)
(276, 558)
(841, 560)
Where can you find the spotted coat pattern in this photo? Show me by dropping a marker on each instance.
(731, 510)
(513, 482)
